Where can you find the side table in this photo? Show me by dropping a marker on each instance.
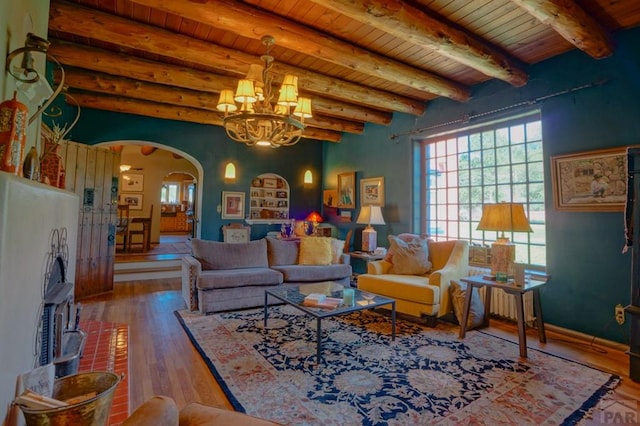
(363, 258)
(518, 292)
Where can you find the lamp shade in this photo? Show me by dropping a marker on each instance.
(245, 92)
(314, 217)
(225, 102)
(370, 215)
(504, 217)
(288, 95)
(303, 109)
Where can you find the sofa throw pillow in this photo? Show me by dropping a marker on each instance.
(458, 292)
(409, 258)
(315, 251)
(214, 255)
(282, 252)
(337, 250)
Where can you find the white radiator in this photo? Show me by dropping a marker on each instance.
(503, 305)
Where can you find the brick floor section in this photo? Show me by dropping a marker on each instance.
(107, 349)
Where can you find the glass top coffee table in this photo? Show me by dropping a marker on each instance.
(294, 296)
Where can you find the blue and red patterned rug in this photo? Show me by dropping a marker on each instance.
(427, 376)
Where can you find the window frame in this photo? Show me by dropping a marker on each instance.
(440, 157)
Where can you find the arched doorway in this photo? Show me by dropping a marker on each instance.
(150, 163)
(177, 201)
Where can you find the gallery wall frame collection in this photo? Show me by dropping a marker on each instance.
(372, 193)
(590, 181)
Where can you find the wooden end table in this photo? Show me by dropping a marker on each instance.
(518, 291)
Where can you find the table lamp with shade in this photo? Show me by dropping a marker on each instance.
(315, 218)
(503, 217)
(370, 215)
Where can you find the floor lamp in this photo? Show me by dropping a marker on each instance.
(503, 217)
(370, 215)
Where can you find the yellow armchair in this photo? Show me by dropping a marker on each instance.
(422, 296)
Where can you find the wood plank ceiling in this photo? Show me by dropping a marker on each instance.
(359, 61)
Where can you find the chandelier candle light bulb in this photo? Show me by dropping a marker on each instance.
(258, 122)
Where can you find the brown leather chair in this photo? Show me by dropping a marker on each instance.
(144, 229)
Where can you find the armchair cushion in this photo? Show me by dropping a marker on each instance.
(159, 411)
(410, 258)
(162, 411)
(196, 414)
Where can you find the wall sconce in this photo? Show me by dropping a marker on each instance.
(26, 74)
(230, 173)
(124, 168)
(308, 177)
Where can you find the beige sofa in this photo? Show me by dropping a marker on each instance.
(423, 296)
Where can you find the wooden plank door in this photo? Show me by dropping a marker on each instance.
(92, 173)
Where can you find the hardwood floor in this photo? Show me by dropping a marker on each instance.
(163, 360)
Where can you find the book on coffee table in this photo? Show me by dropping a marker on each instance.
(327, 303)
(315, 297)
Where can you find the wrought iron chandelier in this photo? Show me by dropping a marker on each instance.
(258, 121)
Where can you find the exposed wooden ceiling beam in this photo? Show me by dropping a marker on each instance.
(571, 21)
(253, 23)
(411, 24)
(118, 64)
(126, 87)
(72, 19)
(171, 112)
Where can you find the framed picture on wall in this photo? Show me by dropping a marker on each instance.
(346, 190)
(132, 182)
(372, 192)
(133, 200)
(330, 197)
(232, 205)
(591, 180)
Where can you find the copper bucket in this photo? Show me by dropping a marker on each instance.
(92, 412)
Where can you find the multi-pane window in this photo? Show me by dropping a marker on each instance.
(169, 193)
(501, 162)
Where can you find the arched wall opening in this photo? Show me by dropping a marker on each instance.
(153, 161)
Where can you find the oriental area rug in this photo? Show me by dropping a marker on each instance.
(427, 376)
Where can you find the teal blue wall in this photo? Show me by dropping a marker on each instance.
(211, 146)
(590, 275)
